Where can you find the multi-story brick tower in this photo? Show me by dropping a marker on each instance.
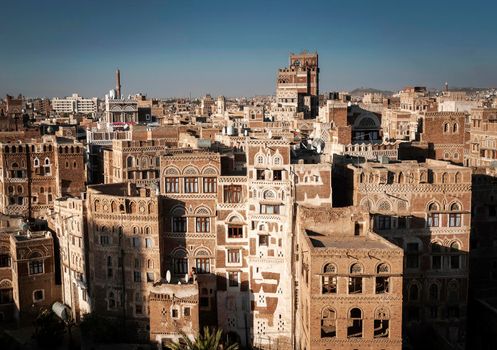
(298, 85)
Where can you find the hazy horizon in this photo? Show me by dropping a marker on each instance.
(174, 49)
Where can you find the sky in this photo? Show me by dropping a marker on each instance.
(234, 48)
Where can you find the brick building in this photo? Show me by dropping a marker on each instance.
(349, 279)
(125, 252)
(35, 173)
(425, 208)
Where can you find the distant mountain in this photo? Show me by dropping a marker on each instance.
(361, 91)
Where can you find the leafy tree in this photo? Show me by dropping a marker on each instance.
(100, 329)
(49, 329)
(206, 340)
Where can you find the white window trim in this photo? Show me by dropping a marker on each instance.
(40, 300)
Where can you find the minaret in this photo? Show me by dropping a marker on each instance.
(118, 84)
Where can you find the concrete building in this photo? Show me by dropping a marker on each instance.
(75, 104)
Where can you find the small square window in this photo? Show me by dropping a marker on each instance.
(174, 313)
(186, 312)
(38, 295)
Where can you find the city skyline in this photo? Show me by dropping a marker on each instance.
(167, 49)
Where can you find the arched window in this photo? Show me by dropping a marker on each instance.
(455, 128)
(381, 323)
(113, 206)
(259, 159)
(455, 255)
(355, 279)
(414, 292)
(180, 262)
(458, 178)
(382, 279)
(132, 207)
(109, 266)
(446, 127)
(445, 178)
(453, 292)
(455, 215)
(354, 330)
(436, 256)
(112, 300)
(433, 215)
(129, 161)
(202, 262)
(36, 162)
(434, 296)
(401, 178)
(329, 279)
(328, 323)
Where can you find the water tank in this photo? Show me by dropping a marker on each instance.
(62, 311)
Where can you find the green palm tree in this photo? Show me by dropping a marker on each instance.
(206, 340)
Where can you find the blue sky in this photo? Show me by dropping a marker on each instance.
(174, 48)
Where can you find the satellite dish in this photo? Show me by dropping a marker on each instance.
(168, 276)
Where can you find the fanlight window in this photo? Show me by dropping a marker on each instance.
(329, 268)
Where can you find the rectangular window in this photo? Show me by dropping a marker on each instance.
(180, 266)
(148, 243)
(135, 242)
(210, 185)
(186, 312)
(35, 267)
(233, 279)
(191, 184)
(137, 276)
(104, 240)
(150, 276)
(179, 224)
(412, 256)
(202, 224)
(263, 240)
(202, 265)
(138, 309)
(355, 285)
(277, 175)
(382, 284)
(454, 220)
(436, 262)
(402, 222)
(235, 231)
(270, 209)
(172, 185)
(174, 313)
(261, 174)
(383, 222)
(233, 256)
(4, 260)
(329, 284)
(455, 261)
(233, 194)
(433, 220)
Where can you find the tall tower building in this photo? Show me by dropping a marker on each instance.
(118, 84)
(298, 85)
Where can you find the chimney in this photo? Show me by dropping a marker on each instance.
(118, 84)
